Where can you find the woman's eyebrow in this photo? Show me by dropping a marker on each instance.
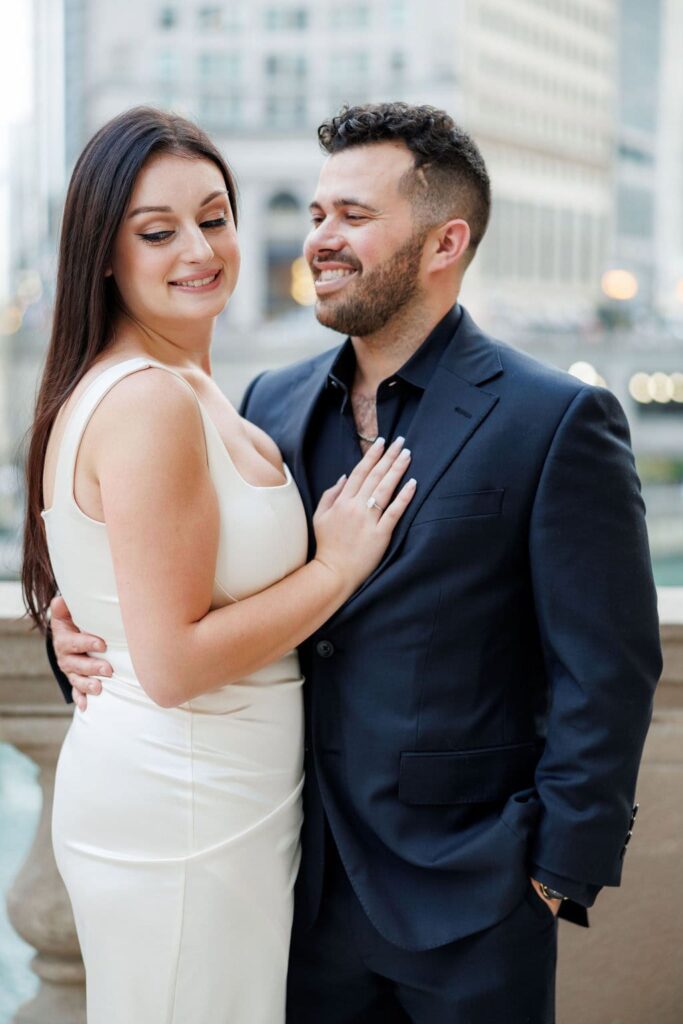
(168, 209)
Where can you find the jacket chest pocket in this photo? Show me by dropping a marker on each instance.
(469, 504)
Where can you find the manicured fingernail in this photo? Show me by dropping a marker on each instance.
(379, 441)
(405, 454)
(412, 482)
(399, 441)
(342, 477)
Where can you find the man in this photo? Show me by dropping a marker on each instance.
(476, 711)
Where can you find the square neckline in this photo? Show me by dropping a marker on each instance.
(206, 418)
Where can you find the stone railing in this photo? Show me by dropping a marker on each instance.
(625, 970)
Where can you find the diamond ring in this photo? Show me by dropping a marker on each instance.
(373, 503)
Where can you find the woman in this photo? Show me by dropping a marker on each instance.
(175, 533)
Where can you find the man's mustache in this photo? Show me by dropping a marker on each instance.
(345, 261)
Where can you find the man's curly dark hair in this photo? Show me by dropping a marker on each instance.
(449, 178)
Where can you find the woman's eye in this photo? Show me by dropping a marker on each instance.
(157, 236)
(219, 222)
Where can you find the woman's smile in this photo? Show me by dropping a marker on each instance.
(205, 281)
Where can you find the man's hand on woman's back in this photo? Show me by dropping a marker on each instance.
(76, 654)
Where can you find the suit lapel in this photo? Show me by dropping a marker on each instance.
(450, 412)
(292, 429)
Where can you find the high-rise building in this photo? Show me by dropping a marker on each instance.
(538, 93)
(634, 240)
(534, 81)
(669, 193)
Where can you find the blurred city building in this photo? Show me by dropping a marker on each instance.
(577, 106)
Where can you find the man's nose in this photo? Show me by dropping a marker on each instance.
(324, 238)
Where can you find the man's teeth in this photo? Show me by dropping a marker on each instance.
(198, 283)
(333, 275)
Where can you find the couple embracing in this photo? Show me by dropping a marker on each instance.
(442, 537)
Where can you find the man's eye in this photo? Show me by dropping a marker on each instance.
(219, 222)
(355, 216)
(316, 220)
(157, 236)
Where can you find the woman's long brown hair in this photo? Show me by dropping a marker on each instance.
(86, 300)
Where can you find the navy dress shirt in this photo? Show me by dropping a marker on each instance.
(332, 446)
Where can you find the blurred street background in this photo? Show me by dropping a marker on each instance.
(577, 106)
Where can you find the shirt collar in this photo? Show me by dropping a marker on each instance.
(417, 370)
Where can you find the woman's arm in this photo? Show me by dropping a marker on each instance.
(146, 444)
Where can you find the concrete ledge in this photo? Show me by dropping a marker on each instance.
(626, 969)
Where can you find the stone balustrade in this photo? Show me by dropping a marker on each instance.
(625, 970)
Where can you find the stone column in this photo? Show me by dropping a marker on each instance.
(34, 719)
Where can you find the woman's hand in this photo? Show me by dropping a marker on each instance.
(352, 536)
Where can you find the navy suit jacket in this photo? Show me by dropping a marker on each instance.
(477, 709)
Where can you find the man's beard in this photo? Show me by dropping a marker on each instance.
(377, 297)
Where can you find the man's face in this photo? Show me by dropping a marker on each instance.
(363, 249)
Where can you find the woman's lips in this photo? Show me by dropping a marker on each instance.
(206, 283)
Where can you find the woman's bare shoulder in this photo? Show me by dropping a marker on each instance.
(150, 406)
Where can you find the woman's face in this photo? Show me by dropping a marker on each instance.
(175, 258)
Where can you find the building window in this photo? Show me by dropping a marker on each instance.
(397, 65)
(285, 111)
(219, 113)
(397, 13)
(286, 69)
(635, 211)
(286, 289)
(548, 238)
(229, 17)
(586, 247)
(527, 245)
(167, 67)
(168, 17)
(219, 68)
(350, 75)
(211, 19)
(285, 89)
(283, 203)
(567, 246)
(286, 19)
(350, 16)
(220, 102)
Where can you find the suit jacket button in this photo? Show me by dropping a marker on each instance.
(324, 648)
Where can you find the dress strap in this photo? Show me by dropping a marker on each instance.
(81, 414)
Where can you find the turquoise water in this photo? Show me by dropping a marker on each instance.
(668, 571)
(19, 810)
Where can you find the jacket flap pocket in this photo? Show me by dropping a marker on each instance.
(466, 776)
(454, 506)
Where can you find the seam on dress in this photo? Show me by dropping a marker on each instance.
(174, 994)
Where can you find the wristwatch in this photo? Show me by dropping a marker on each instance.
(551, 894)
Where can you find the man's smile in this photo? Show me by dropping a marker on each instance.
(332, 278)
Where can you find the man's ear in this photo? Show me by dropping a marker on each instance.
(452, 241)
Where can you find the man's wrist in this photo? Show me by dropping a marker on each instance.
(551, 894)
(583, 893)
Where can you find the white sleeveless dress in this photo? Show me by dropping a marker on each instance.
(176, 831)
